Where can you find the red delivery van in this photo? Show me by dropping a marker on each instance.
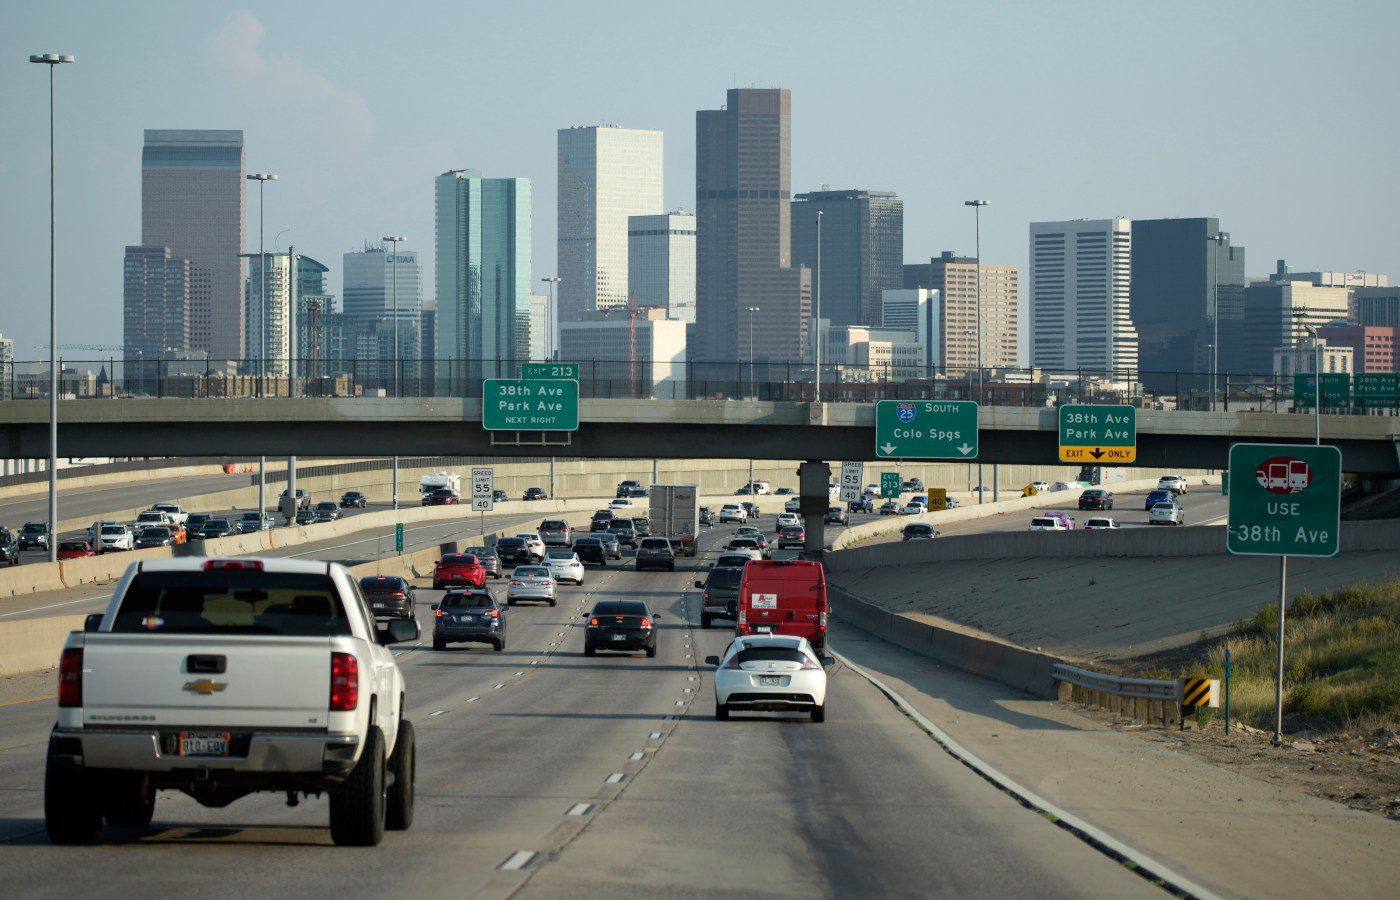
(784, 596)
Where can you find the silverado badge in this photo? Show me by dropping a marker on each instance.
(205, 686)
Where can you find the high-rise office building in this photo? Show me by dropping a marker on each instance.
(1179, 267)
(919, 312)
(661, 263)
(606, 174)
(1378, 306)
(276, 305)
(1081, 317)
(743, 246)
(7, 369)
(1373, 347)
(1352, 281)
(1276, 316)
(955, 280)
(482, 278)
(862, 250)
(604, 347)
(427, 342)
(158, 291)
(375, 280)
(192, 201)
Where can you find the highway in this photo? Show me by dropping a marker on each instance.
(545, 773)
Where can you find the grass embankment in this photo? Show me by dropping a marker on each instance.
(1341, 661)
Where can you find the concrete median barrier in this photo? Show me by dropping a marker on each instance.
(31, 645)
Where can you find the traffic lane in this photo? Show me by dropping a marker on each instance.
(864, 803)
(346, 549)
(95, 501)
(497, 775)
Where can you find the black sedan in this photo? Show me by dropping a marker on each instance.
(9, 548)
(1096, 498)
(535, 493)
(389, 596)
(327, 511)
(353, 499)
(620, 625)
(591, 551)
(214, 528)
(514, 552)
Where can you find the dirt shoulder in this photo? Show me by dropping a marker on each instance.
(1359, 771)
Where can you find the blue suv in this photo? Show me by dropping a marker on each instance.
(1158, 496)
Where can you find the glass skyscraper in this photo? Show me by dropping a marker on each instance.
(606, 174)
(862, 250)
(482, 274)
(192, 201)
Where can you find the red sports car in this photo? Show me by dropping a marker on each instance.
(74, 550)
(458, 569)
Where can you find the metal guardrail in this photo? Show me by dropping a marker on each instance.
(1146, 688)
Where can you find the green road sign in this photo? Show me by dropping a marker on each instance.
(889, 485)
(523, 404)
(1377, 390)
(1098, 435)
(549, 370)
(1225, 482)
(398, 538)
(1336, 390)
(926, 429)
(1285, 500)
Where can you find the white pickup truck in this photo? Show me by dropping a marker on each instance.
(175, 511)
(222, 677)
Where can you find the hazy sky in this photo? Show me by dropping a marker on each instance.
(1278, 117)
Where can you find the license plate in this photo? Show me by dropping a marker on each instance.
(619, 637)
(763, 629)
(204, 744)
(466, 620)
(770, 680)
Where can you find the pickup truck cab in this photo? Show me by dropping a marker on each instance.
(786, 596)
(224, 677)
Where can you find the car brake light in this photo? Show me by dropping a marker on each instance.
(593, 621)
(233, 565)
(438, 614)
(732, 663)
(705, 597)
(809, 664)
(646, 623)
(70, 677)
(514, 583)
(345, 682)
(495, 614)
(822, 620)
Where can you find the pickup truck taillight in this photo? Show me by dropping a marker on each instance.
(345, 682)
(70, 677)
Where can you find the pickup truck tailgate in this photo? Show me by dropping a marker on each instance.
(277, 682)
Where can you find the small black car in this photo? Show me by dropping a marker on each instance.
(214, 528)
(499, 496)
(469, 616)
(1096, 498)
(514, 552)
(620, 625)
(591, 552)
(624, 531)
(535, 494)
(600, 521)
(656, 553)
(389, 596)
(353, 499)
(9, 548)
(34, 534)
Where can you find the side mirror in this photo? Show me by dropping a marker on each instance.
(656, 616)
(828, 661)
(586, 616)
(92, 623)
(700, 585)
(435, 606)
(399, 631)
(712, 661)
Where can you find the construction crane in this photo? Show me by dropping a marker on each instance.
(634, 312)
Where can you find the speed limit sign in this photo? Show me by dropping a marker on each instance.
(483, 489)
(851, 475)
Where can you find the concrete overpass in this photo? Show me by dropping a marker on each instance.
(733, 429)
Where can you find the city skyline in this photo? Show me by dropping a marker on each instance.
(230, 68)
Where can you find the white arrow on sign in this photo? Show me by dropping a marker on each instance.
(887, 449)
(965, 449)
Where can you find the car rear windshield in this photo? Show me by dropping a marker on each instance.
(531, 572)
(620, 608)
(553, 526)
(771, 654)
(327, 504)
(468, 601)
(620, 525)
(481, 551)
(77, 546)
(251, 517)
(1045, 521)
(559, 554)
(232, 602)
(386, 583)
(156, 533)
(918, 529)
(1096, 493)
(584, 542)
(215, 524)
(725, 579)
(733, 562)
(509, 542)
(31, 528)
(113, 529)
(655, 544)
(459, 559)
(743, 542)
(791, 530)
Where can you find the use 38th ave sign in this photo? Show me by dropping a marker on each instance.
(1098, 435)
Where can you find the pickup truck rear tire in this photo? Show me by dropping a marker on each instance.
(705, 620)
(357, 805)
(398, 814)
(128, 801)
(71, 812)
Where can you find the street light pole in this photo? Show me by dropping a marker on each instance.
(262, 178)
(1317, 394)
(977, 233)
(51, 60)
(1219, 240)
(817, 353)
(752, 379)
(394, 292)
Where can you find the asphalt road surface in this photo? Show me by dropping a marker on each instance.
(545, 773)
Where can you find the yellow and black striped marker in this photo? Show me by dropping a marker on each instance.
(1197, 692)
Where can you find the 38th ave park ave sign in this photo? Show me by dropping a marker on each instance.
(522, 404)
(926, 429)
(1098, 435)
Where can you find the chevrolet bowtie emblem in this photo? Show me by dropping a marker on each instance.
(205, 686)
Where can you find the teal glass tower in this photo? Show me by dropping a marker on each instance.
(482, 275)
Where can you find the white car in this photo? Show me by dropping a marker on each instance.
(793, 506)
(1166, 514)
(788, 518)
(564, 565)
(530, 583)
(152, 517)
(1060, 486)
(1100, 523)
(1040, 486)
(622, 503)
(533, 543)
(1047, 523)
(175, 511)
(871, 490)
(769, 672)
(953, 502)
(745, 545)
(733, 512)
(1174, 483)
(916, 506)
(115, 536)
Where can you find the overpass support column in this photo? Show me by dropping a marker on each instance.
(814, 494)
(292, 485)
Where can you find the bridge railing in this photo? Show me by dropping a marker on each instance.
(159, 377)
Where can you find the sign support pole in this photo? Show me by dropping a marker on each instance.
(1278, 687)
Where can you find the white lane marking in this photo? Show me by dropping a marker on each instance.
(56, 605)
(615, 778)
(440, 712)
(1069, 820)
(518, 674)
(680, 703)
(474, 699)
(580, 809)
(688, 690)
(636, 756)
(518, 860)
(692, 677)
(498, 687)
(654, 736)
